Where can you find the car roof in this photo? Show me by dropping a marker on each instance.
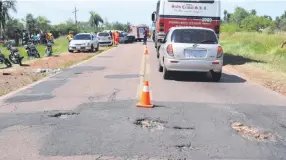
(84, 33)
(201, 28)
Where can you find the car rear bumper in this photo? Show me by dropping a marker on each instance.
(193, 65)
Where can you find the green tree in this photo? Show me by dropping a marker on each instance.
(43, 23)
(31, 23)
(253, 12)
(254, 23)
(238, 15)
(5, 7)
(13, 25)
(95, 19)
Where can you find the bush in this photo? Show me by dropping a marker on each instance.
(230, 28)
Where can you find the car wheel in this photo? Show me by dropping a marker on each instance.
(160, 68)
(91, 48)
(166, 74)
(216, 76)
(97, 48)
(71, 51)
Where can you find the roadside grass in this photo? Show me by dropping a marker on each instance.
(260, 49)
(60, 46)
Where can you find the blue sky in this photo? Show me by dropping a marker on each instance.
(134, 11)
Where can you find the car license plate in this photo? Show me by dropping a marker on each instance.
(194, 54)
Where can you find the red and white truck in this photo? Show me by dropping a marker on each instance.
(197, 13)
(138, 32)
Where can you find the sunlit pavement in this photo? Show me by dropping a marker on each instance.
(88, 112)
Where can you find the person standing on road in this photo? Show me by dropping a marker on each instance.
(145, 37)
(113, 37)
(116, 37)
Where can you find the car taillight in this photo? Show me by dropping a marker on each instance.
(170, 50)
(219, 52)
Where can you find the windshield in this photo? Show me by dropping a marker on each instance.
(82, 37)
(103, 34)
(194, 36)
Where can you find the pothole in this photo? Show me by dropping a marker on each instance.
(63, 115)
(251, 132)
(149, 123)
(183, 146)
(183, 128)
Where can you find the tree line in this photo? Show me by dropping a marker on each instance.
(9, 25)
(244, 20)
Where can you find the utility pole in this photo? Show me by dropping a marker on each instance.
(75, 11)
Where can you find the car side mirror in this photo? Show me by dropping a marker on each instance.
(153, 17)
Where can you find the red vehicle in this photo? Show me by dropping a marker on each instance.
(197, 13)
(138, 32)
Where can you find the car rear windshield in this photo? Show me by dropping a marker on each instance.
(82, 37)
(194, 36)
(103, 34)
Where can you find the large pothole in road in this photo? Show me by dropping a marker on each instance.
(251, 132)
(63, 115)
(184, 146)
(150, 124)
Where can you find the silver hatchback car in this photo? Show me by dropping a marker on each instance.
(191, 49)
(104, 39)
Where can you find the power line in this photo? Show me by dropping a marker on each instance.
(75, 11)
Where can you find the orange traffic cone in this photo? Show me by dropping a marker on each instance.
(146, 51)
(145, 98)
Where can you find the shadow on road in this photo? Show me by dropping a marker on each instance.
(203, 77)
(230, 59)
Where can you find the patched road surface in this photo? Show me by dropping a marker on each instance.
(88, 112)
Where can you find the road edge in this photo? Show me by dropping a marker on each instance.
(50, 76)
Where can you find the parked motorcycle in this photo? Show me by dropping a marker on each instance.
(49, 49)
(14, 55)
(31, 50)
(4, 60)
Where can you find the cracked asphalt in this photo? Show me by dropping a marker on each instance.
(89, 112)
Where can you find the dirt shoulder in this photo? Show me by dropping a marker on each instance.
(258, 73)
(14, 78)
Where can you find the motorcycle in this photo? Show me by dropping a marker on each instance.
(31, 50)
(4, 60)
(49, 49)
(14, 55)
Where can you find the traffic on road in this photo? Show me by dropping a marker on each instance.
(160, 95)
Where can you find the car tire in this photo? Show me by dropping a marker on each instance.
(216, 76)
(97, 48)
(71, 51)
(91, 48)
(160, 68)
(166, 74)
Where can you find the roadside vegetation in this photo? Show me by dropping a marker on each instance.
(252, 46)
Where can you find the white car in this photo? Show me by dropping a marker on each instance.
(104, 39)
(191, 49)
(84, 42)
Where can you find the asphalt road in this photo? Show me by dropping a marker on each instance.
(192, 119)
